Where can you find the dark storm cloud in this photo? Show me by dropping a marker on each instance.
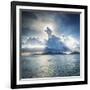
(67, 23)
(28, 21)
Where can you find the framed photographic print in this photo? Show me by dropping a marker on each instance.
(48, 44)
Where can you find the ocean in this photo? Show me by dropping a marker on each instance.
(40, 66)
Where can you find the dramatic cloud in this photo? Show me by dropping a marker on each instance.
(65, 29)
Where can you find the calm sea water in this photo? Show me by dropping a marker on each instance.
(39, 66)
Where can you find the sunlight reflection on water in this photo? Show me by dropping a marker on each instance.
(38, 66)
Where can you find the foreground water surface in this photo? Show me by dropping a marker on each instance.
(39, 66)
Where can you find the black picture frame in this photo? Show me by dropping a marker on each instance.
(14, 4)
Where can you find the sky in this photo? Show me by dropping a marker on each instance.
(34, 23)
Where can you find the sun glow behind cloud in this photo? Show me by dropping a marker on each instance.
(40, 27)
(34, 24)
